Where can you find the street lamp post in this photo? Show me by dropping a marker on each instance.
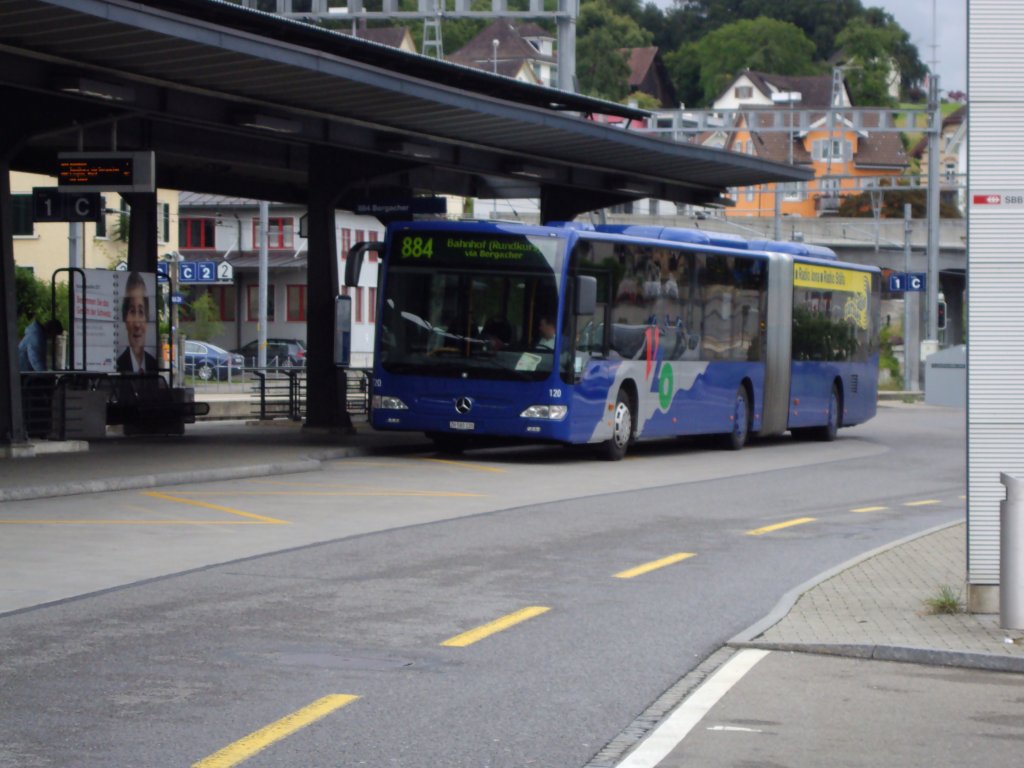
(779, 98)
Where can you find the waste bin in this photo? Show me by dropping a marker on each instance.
(1011, 554)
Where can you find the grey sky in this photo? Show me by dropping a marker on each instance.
(949, 34)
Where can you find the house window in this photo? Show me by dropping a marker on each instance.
(164, 222)
(373, 305)
(296, 303)
(372, 237)
(792, 191)
(951, 172)
(280, 233)
(253, 292)
(346, 241)
(743, 91)
(196, 233)
(836, 149)
(749, 194)
(23, 221)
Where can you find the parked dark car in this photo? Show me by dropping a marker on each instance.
(281, 353)
(207, 361)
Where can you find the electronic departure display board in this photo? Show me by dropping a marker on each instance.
(106, 171)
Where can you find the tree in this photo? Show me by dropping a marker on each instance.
(601, 62)
(893, 200)
(870, 49)
(683, 67)
(762, 44)
(205, 323)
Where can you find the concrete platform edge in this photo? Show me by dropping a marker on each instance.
(135, 482)
(906, 654)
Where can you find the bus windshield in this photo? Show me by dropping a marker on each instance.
(463, 304)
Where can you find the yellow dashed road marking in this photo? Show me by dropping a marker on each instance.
(259, 740)
(465, 465)
(780, 526)
(217, 507)
(869, 509)
(493, 627)
(654, 565)
(922, 503)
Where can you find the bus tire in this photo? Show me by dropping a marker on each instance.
(622, 429)
(827, 433)
(740, 432)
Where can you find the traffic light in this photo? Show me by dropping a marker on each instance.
(942, 316)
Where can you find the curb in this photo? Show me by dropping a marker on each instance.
(167, 478)
(788, 600)
(907, 654)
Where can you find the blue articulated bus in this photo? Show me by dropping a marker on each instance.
(607, 335)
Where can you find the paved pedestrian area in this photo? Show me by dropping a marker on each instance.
(882, 601)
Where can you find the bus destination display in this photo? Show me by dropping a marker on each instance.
(455, 249)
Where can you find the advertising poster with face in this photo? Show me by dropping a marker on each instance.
(115, 322)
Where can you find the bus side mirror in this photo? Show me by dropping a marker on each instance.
(354, 260)
(586, 295)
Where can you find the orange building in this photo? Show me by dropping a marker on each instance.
(787, 123)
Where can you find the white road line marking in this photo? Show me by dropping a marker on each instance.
(670, 733)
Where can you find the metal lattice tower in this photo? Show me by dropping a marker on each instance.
(433, 45)
(432, 12)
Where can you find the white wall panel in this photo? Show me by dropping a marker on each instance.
(995, 371)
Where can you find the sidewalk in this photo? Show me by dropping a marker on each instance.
(214, 450)
(875, 608)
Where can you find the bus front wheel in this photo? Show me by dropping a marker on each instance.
(737, 438)
(622, 428)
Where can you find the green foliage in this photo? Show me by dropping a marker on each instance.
(870, 49)
(33, 298)
(683, 68)
(205, 323)
(602, 67)
(893, 200)
(886, 358)
(643, 100)
(947, 601)
(761, 44)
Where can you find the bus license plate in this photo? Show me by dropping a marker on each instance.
(463, 425)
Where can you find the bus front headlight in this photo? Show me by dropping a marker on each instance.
(548, 412)
(388, 403)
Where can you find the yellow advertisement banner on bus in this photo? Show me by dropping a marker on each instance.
(835, 279)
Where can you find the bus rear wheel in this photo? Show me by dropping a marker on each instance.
(740, 433)
(827, 433)
(622, 429)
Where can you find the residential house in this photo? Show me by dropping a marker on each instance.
(953, 159)
(648, 74)
(522, 51)
(45, 247)
(217, 228)
(395, 37)
(846, 158)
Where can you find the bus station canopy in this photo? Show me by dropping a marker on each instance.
(236, 102)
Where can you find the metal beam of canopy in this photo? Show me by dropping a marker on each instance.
(236, 102)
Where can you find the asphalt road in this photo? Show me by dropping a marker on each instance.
(330, 606)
